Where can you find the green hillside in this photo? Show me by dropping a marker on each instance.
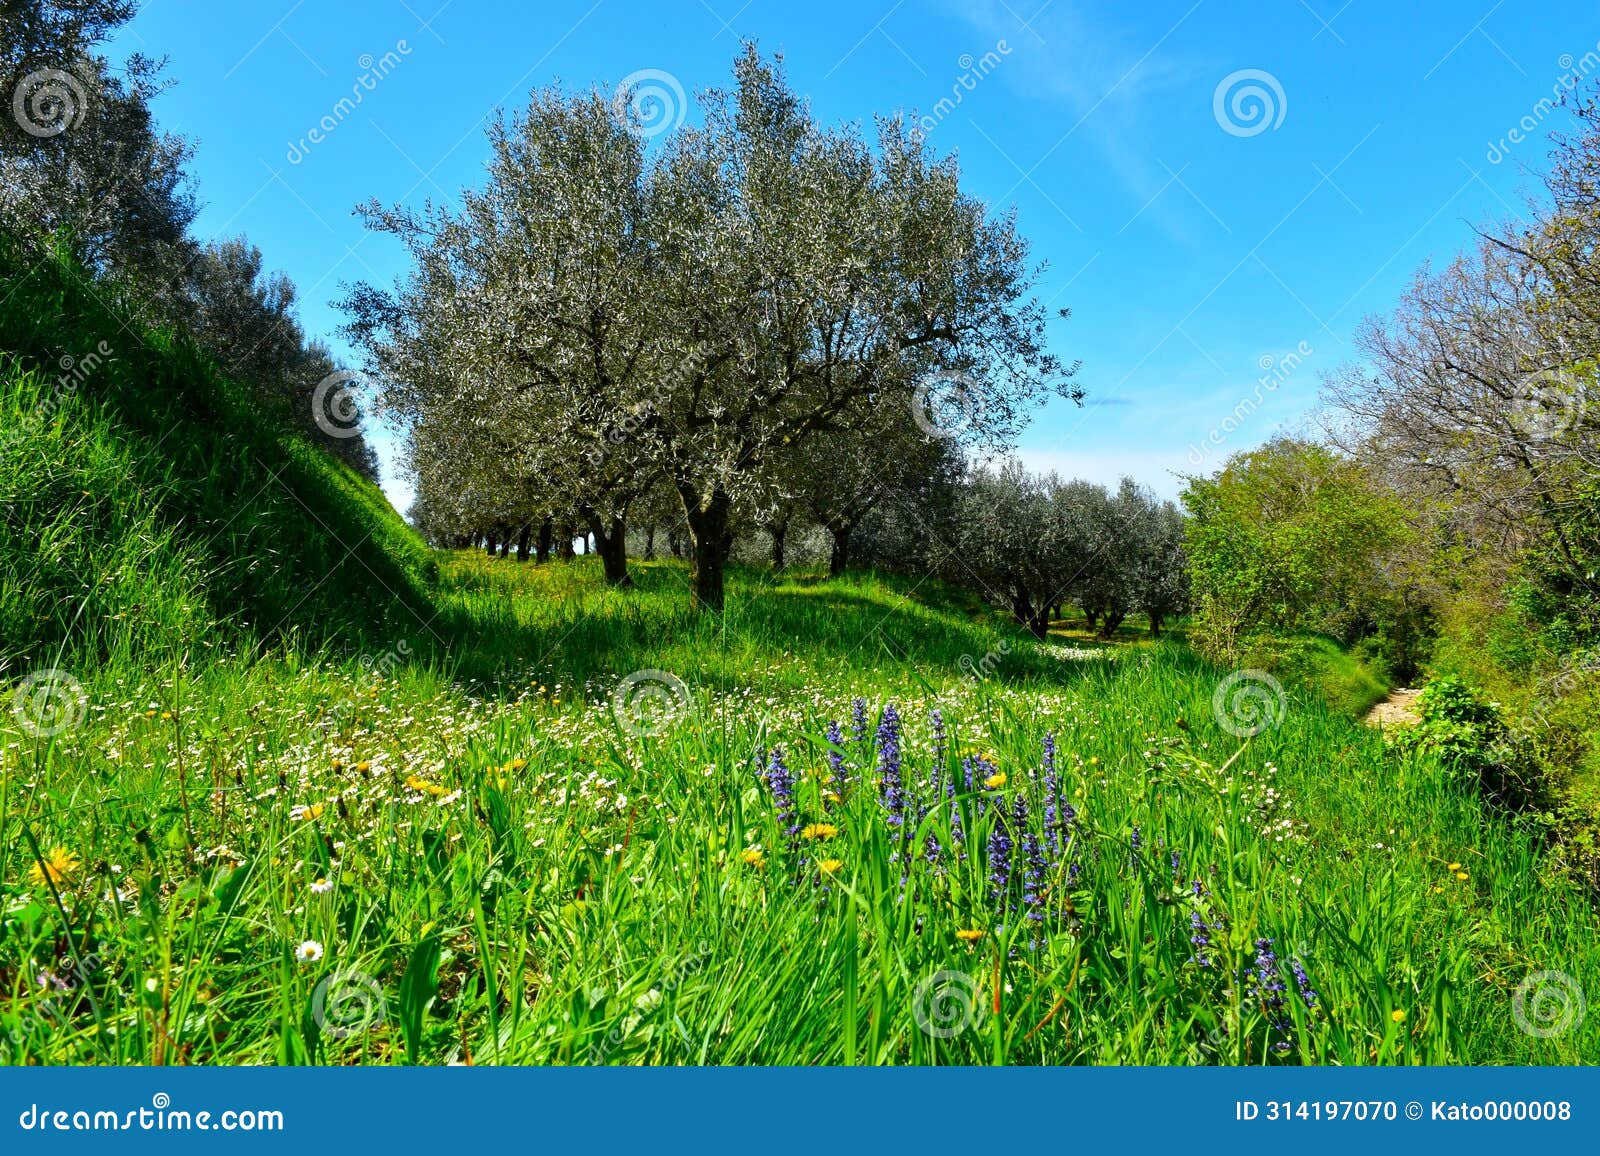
(148, 505)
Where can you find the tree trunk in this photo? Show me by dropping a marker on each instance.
(1155, 625)
(547, 533)
(566, 548)
(489, 544)
(523, 540)
(1090, 617)
(650, 543)
(779, 533)
(611, 543)
(713, 543)
(1022, 607)
(839, 556)
(1108, 625)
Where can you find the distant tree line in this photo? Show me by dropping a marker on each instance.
(84, 168)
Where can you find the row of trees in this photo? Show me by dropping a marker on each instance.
(85, 168)
(755, 320)
(1037, 544)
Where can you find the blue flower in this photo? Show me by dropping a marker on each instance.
(894, 797)
(836, 759)
(781, 783)
(858, 720)
(1269, 988)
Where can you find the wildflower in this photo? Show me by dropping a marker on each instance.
(753, 857)
(995, 781)
(936, 725)
(1302, 982)
(1135, 841)
(829, 866)
(1453, 867)
(970, 934)
(1398, 1015)
(967, 767)
(1000, 866)
(819, 831)
(894, 799)
(308, 952)
(858, 720)
(517, 764)
(836, 758)
(781, 782)
(364, 766)
(321, 886)
(1033, 880)
(57, 868)
(1269, 987)
(1052, 796)
(1198, 928)
(304, 813)
(1463, 876)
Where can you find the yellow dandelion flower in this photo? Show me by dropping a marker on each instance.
(829, 866)
(970, 934)
(753, 857)
(1453, 867)
(1398, 1015)
(338, 764)
(306, 813)
(518, 764)
(820, 831)
(995, 781)
(58, 868)
(166, 716)
(364, 766)
(1463, 876)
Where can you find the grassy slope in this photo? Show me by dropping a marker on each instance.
(146, 506)
(520, 877)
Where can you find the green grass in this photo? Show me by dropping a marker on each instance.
(527, 819)
(593, 902)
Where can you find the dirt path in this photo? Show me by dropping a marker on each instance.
(1399, 709)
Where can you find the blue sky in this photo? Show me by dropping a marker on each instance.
(1197, 239)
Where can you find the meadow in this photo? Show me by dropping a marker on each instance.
(851, 822)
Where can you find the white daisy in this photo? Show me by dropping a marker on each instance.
(308, 952)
